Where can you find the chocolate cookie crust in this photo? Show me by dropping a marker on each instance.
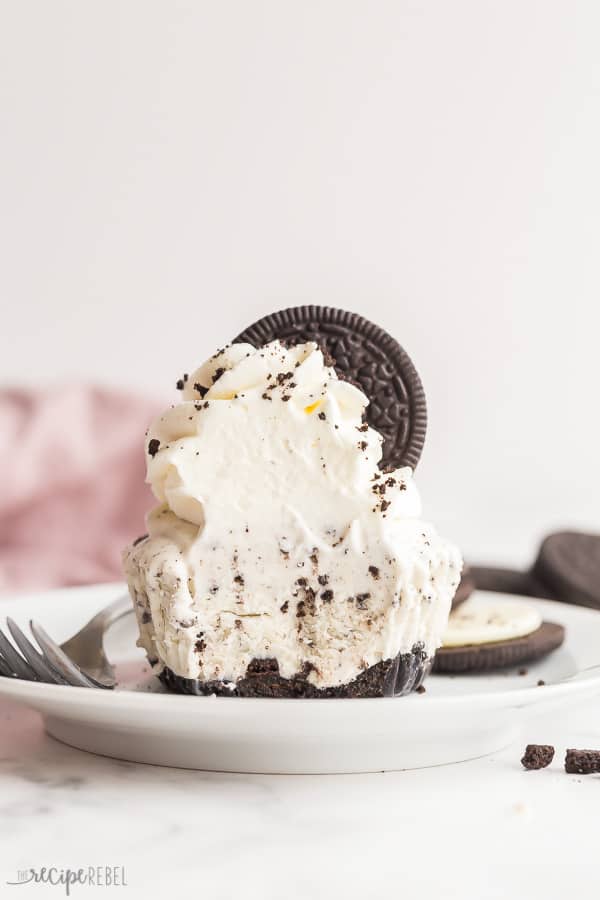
(368, 356)
(500, 654)
(389, 678)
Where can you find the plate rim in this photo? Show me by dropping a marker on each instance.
(581, 683)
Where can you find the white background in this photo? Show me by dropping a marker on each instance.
(171, 171)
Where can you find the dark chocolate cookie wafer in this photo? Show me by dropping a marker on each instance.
(500, 654)
(368, 356)
(569, 564)
(510, 581)
(465, 588)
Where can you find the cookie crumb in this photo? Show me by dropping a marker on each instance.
(582, 762)
(537, 756)
(421, 689)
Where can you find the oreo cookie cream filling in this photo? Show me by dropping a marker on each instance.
(281, 560)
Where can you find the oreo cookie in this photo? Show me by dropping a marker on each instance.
(500, 654)
(568, 563)
(369, 357)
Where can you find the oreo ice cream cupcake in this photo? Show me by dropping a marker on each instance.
(281, 560)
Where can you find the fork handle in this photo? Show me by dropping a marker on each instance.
(112, 613)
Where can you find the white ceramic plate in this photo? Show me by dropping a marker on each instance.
(458, 718)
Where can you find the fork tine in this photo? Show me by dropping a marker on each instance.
(59, 660)
(16, 662)
(5, 669)
(43, 670)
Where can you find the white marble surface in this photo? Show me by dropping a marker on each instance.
(482, 830)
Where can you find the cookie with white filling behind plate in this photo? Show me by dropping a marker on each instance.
(481, 637)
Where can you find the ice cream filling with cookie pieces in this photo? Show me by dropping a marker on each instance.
(276, 535)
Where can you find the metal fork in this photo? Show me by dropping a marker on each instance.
(80, 661)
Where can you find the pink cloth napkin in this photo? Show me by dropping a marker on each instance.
(73, 491)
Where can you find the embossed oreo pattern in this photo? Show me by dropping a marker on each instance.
(368, 356)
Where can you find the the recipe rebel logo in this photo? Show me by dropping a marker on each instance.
(89, 876)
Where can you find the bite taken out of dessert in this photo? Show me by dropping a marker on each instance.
(287, 556)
